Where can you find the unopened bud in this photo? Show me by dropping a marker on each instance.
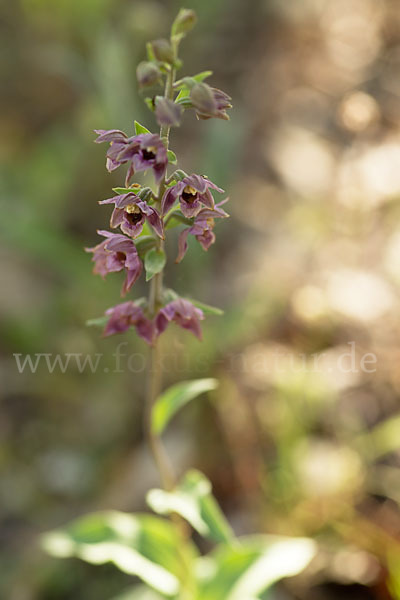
(184, 22)
(147, 74)
(162, 51)
(203, 99)
(145, 194)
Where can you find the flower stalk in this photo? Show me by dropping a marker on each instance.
(180, 199)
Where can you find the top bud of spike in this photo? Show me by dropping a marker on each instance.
(184, 22)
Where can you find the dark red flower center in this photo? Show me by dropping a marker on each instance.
(189, 194)
(134, 218)
(133, 214)
(121, 257)
(148, 153)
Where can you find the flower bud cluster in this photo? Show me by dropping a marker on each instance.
(143, 215)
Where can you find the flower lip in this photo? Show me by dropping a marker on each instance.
(149, 153)
(189, 193)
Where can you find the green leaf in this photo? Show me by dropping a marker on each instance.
(154, 262)
(193, 500)
(246, 570)
(176, 218)
(189, 82)
(124, 190)
(172, 157)
(144, 243)
(169, 295)
(183, 93)
(184, 101)
(201, 76)
(207, 308)
(141, 545)
(138, 592)
(150, 103)
(140, 128)
(150, 52)
(99, 322)
(175, 398)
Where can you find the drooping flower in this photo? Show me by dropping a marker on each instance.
(141, 152)
(115, 253)
(210, 102)
(183, 313)
(126, 315)
(131, 212)
(193, 191)
(202, 229)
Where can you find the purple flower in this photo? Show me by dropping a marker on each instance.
(184, 313)
(114, 254)
(141, 152)
(192, 191)
(126, 315)
(210, 102)
(202, 229)
(131, 212)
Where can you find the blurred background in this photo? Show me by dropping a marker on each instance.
(303, 435)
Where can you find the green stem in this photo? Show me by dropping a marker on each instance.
(155, 301)
(155, 382)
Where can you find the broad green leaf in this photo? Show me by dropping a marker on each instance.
(172, 157)
(194, 501)
(138, 592)
(99, 322)
(207, 308)
(141, 545)
(248, 569)
(140, 128)
(175, 398)
(154, 262)
(144, 243)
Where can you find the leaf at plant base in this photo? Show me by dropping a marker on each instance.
(154, 262)
(140, 128)
(99, 322)
(138, 592)
(194, 501)
(248, 569)
(207, 308)
(172, 157)
(175, 398)
(141, 545)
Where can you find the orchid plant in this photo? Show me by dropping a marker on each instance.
(158, 549)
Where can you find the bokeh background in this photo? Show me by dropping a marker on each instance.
(308, 265)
